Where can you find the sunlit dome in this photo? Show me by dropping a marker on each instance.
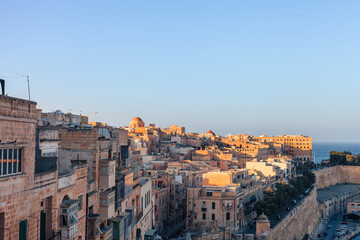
(137, 122)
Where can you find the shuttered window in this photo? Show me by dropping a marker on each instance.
(23, 230)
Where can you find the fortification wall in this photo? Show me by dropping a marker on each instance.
(337, 175)
(304, 218)
(301, 220)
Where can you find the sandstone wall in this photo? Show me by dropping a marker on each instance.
(337, 175)
(327, 177)
(300, 220)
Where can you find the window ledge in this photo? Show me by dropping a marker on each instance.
(11, 176)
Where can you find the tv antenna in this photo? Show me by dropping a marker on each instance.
(28, 80)
(95, 116)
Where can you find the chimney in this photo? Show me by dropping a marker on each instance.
(2, 81)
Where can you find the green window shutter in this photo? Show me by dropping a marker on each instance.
(23, 230)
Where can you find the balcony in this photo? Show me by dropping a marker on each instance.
(69, 232)
(107, 204)
(107, 173)
(128, 223)
(118, 223)
(92, 226)
(68, 219)
(203, 209)
(105, 232)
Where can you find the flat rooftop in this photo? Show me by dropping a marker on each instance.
(337, 190)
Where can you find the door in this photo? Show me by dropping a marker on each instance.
(42, 225)
(23, 230)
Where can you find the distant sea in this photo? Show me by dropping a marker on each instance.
(322, 150)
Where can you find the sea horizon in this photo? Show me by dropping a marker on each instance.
(321, 150)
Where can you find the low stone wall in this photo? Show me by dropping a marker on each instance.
(300, 220)
(337, 175)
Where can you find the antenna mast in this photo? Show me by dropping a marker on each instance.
(28, 86)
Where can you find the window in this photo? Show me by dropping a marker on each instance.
(23, 230)
(209, 194)
(10, 158)
(91, 210)
(103, 203)
(212, 216)
(10, 161)
(145, 200)
(227, 216)
(104, 170)
(358, 206)
(213, 205)
(2, 225)
(112, 170)
(73, 218)
(148, 197)
(204, 216)
(111, 200)
(80, 201)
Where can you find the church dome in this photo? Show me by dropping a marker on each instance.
(137, 122)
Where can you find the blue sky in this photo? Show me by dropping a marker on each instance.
(257, 67)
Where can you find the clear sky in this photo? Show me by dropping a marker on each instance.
(257, 67)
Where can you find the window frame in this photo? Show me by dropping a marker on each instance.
(12, 163)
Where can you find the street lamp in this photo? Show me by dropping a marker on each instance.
(37, 231)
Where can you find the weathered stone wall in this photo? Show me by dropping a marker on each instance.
(337, 175)
(300, 220)
(303, 218)
(21, 194)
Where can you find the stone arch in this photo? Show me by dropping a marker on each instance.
(66, 197)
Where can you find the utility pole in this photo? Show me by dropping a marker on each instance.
(28, 80)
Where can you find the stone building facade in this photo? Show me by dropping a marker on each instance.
(20, 186)
(222, 205)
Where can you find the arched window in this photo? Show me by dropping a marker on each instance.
(227, 216)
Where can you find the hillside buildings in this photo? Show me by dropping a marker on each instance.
(89, 180)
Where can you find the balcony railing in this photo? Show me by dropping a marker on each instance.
(203, 209)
